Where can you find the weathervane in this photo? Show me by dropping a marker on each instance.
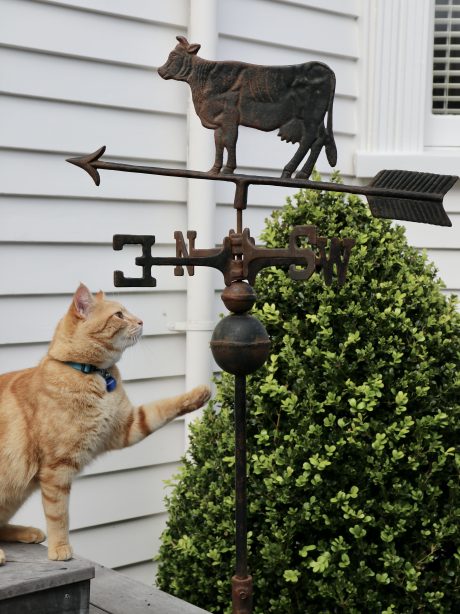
(295, 100)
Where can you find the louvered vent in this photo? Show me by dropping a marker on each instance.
(446, 62)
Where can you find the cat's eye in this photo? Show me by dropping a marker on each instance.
(119, 314)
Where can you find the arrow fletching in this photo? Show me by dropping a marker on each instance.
(423, 202)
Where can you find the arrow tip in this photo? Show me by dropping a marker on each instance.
(86, 163)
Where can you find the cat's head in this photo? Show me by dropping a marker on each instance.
(95, 330)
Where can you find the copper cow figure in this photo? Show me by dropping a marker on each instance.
(293, 99)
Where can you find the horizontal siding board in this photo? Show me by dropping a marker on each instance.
(301, 26)
(114, 497)
(446, 262)
(88, 82)
(140, 390)
(163, 446)
(348, 8)
(261, 52)
(120, 544)
(52, 269)
(26, 124)
(158, 310)
(419, 235)
(174, 12)
(26, 25)
(49, 175)
(152, 357)
(29, 219)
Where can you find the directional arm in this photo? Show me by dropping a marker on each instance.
(395, 194)
(240, 259)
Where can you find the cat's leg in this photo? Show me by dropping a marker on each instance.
(55, 484)
(2, 557)
(145, 419)
(18, 533)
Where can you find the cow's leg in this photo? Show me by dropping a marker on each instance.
(297, 158)
(315, 150)
(230, 138)
(219, 159)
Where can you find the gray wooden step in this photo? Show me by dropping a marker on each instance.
(31, 584)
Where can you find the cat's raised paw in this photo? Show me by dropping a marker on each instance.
(60, 553)
(196, 398)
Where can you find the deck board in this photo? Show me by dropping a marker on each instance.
(114, 593)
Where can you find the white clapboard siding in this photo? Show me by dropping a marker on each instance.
(112, 85)
(44, 268)
(159, 356)
(158, 311)
(121, 543)
(164, 446)
(87, 220)
(64, 30)
(110, 497)
(173, 12)
(149, 135)
(49, 175)
(290, 25)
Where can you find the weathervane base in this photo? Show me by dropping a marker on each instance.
(242, 590)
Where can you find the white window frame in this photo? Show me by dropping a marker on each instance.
(395, 99)
(441, 131)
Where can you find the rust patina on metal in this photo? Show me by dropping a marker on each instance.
(392, 194)
(295, 100)
(291, 99)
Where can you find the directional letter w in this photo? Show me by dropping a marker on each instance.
(339, 254)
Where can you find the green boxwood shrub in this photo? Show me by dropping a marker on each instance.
(353, 430)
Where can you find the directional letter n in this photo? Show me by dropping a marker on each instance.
(182, 252)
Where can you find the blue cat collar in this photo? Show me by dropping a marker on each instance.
(110, 381)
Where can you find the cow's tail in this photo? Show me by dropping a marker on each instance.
(329, 145)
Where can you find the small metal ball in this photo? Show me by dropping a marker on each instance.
(240, 344)
(239, 297)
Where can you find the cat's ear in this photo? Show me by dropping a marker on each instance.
(82, 301)
(100, 295)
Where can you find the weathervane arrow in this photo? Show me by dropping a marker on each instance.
(393, 194)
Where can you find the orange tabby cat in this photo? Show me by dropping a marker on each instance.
(58, 416)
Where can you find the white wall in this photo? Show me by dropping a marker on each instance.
(78, 74)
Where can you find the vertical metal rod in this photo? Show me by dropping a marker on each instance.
(240, 476)
(239, 221)
(241, 581)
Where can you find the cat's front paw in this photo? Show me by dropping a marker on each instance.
(195, 398)
(63, 552)
(2, 557)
